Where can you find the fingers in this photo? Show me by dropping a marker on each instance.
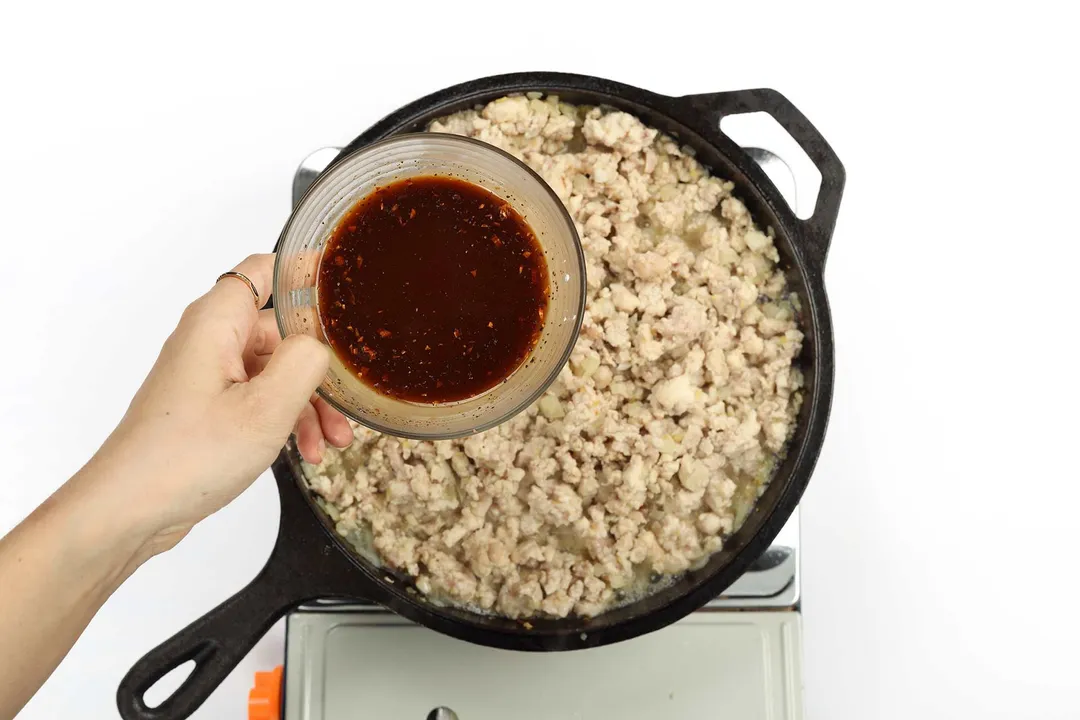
(335, 428)
(264, 337)
(226, 315)
(231, 301)
(280, 393)
(324, 422)
(255, 364)
(309, 437)
(232, 292)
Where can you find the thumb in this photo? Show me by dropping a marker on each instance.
(287, 382)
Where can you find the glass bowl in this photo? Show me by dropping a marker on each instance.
(355, 176)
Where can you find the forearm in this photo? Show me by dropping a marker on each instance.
(218, 404)
(57, 568)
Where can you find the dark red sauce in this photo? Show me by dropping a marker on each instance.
(432, 290)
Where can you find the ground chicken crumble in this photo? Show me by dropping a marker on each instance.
(649, 448)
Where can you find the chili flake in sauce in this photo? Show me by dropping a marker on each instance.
(432, 290)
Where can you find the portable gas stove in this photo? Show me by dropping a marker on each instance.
(738, 657)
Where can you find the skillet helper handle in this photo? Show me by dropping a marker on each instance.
(217, 642)
(820, 225)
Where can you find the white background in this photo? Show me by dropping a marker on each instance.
(147, 148)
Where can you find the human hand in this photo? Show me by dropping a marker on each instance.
(212, 414)
(216, 408)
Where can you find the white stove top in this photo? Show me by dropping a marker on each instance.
(357, 665)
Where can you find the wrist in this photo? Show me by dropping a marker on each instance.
(104, 513)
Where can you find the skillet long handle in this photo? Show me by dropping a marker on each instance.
(217, 642)
(304, 565)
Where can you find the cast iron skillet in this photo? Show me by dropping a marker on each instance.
(310, 561)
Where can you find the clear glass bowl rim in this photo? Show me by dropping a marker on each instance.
(579, 254)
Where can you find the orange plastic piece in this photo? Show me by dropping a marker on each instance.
(264, 700)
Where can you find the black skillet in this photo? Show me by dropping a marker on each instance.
(310, 561)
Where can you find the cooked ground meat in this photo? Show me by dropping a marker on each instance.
(655, 439)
